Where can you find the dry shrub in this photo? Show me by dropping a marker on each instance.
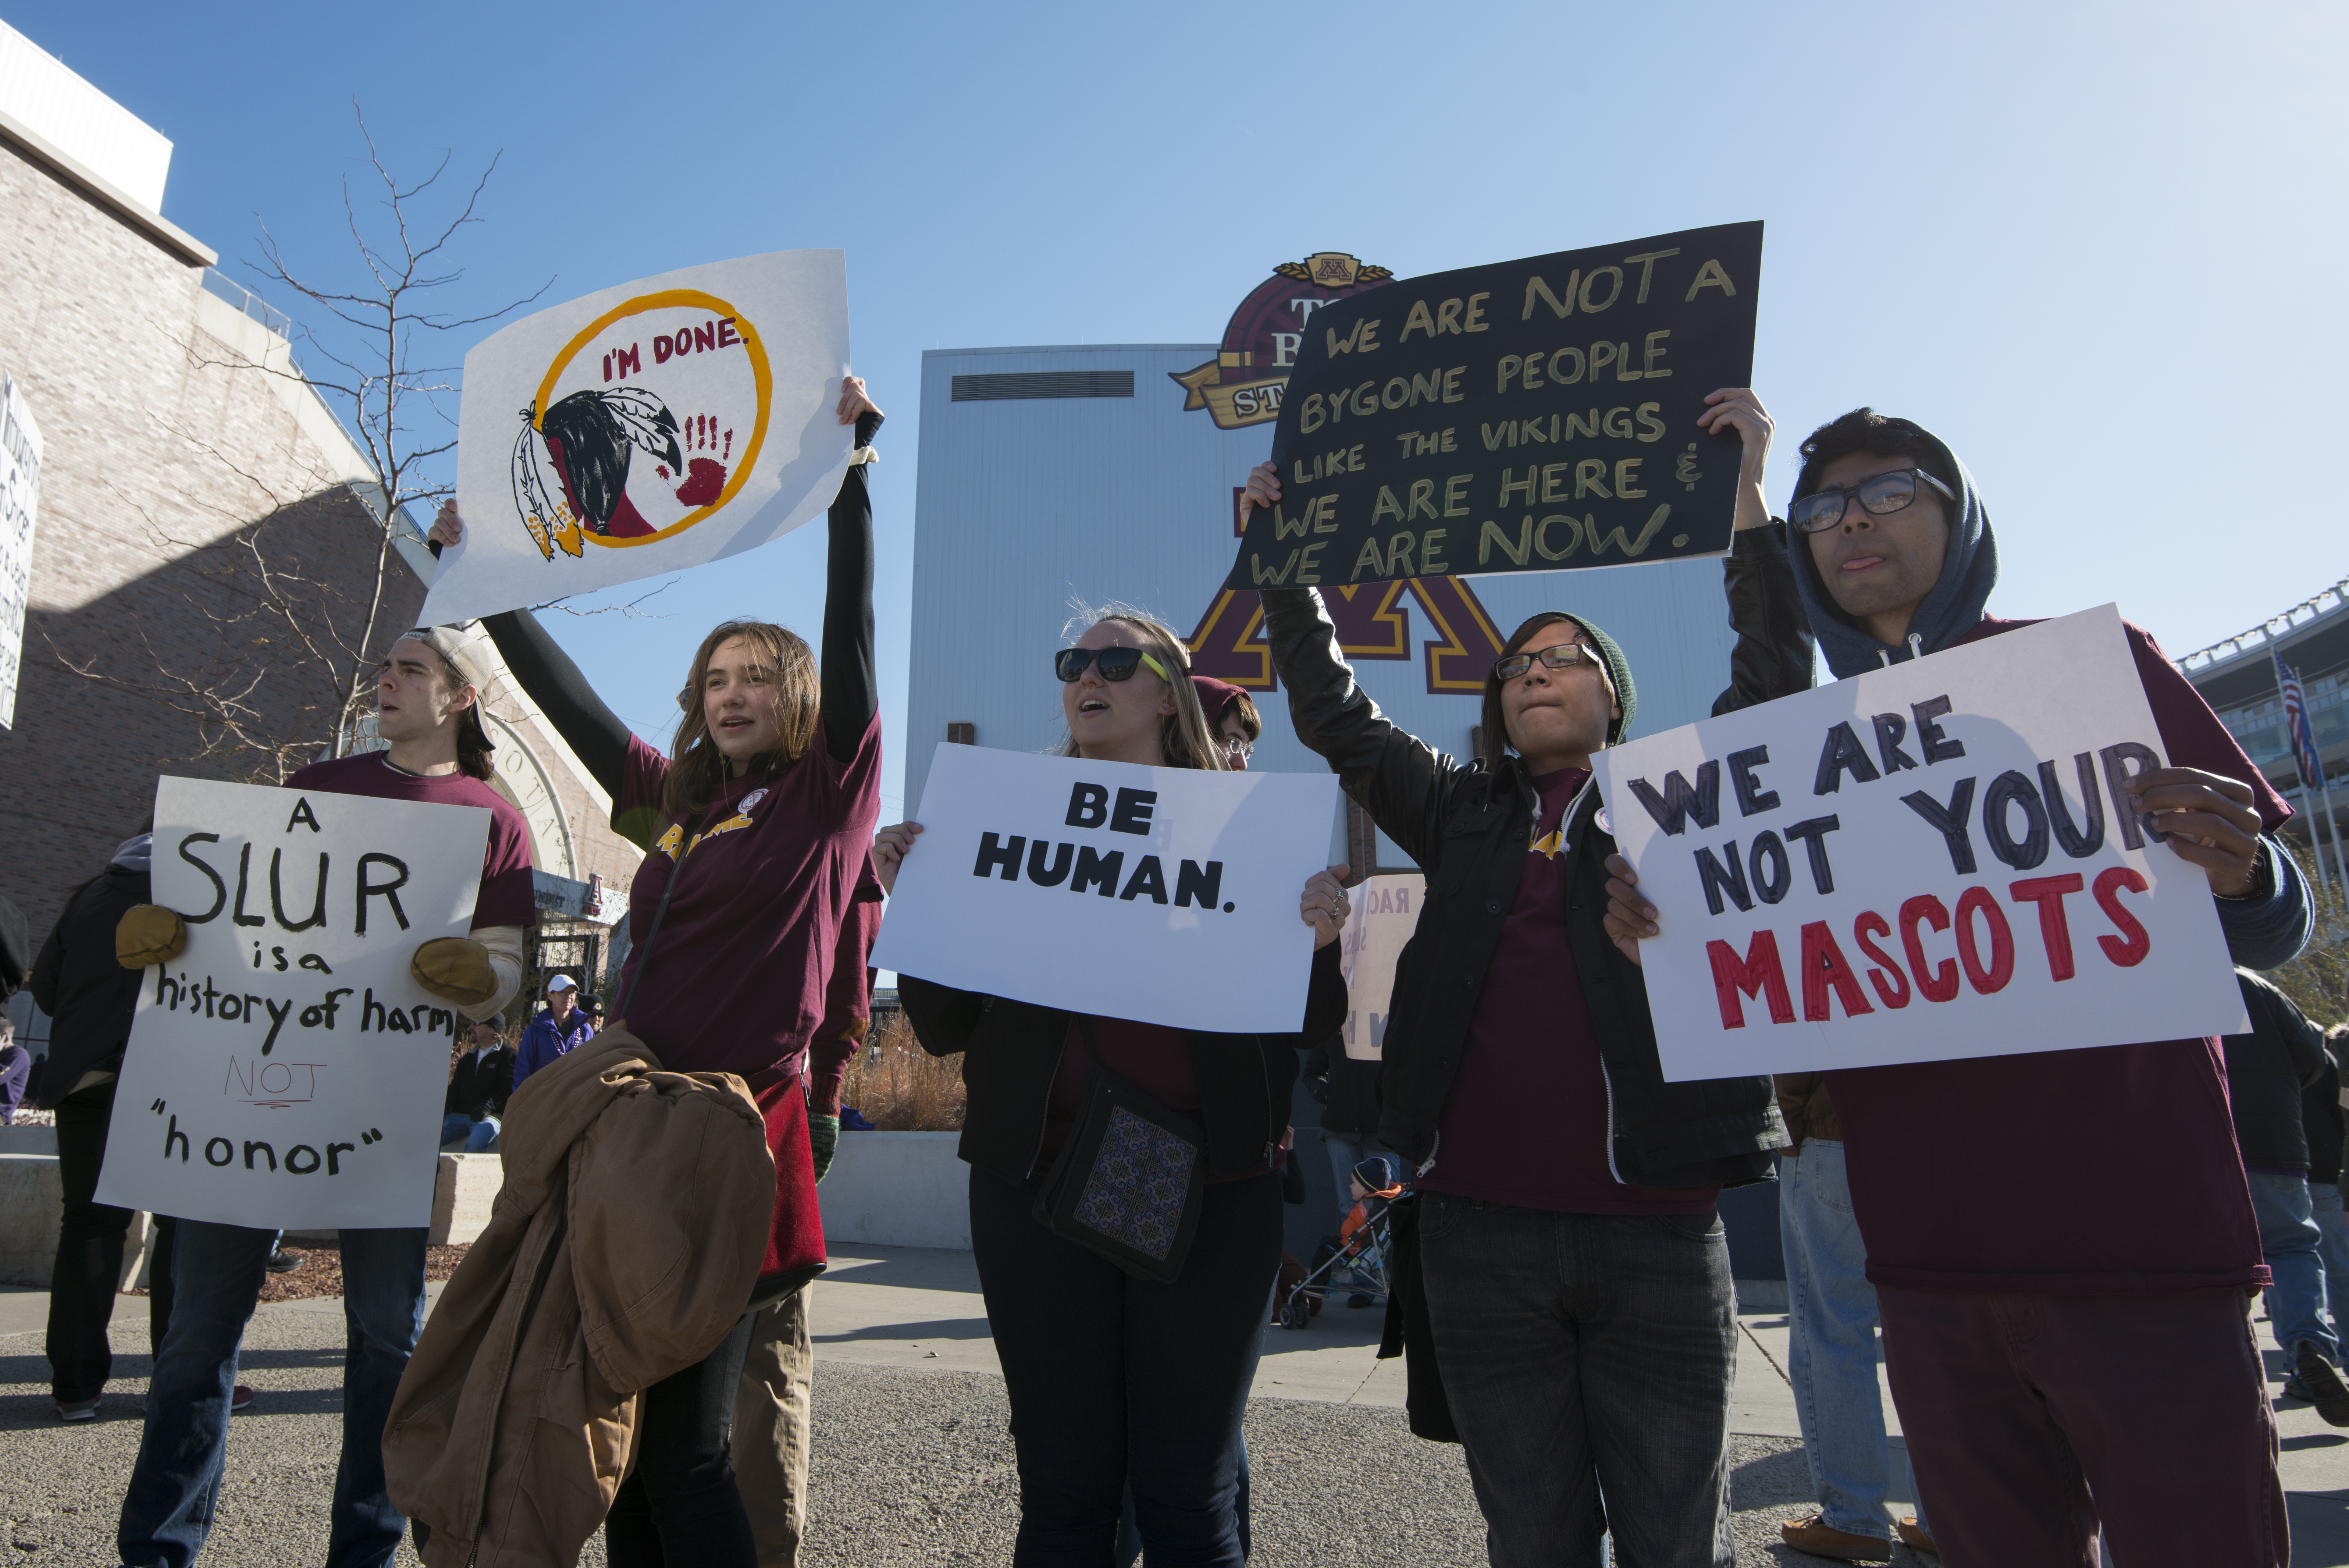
(899, 1086)
(2316, 979)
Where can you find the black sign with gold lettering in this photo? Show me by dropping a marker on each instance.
(1529, 416)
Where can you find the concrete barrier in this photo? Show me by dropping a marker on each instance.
(461, 1198)
(898, 1189)
(28, 1139)
(31, 1201)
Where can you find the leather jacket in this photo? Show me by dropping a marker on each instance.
(1468, 826)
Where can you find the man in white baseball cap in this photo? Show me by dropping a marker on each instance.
(560, 1029)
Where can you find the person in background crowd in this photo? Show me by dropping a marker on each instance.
(756, 829)
(16, 1072)
(1347, 1089)
(1567, 1235)
(88, 998)
(2023, 1307)
(593, 1006)
(1831, 1354)
(2270, 1071)
(554, 1031)
(479, 1085)
(2323, 1124)
(774, 1403)
(1112, 1377)
(1232, 719)
(427, 707)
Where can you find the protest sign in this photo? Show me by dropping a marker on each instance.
(647, 428)
(20, 493)
(1527, 416)
(1386, 912)
(1167, 894)
(284, 1072)
(1929, 861)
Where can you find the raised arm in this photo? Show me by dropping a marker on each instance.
(592, 730)
(850, 692)
(1774, 645)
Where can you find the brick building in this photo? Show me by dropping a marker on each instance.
(173, 465)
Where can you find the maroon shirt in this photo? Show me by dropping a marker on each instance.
(1527, 1121)
(741, 967)
(506, 898)
(2105, 1171)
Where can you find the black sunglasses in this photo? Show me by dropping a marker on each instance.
(1115, 663)
(1558, 655)
(1879, 496)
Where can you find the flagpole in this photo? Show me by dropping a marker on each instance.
(2291, 744)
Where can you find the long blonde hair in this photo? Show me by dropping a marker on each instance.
(699, 770)
(1183, 734)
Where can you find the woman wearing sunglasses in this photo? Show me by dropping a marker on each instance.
(1109, 1375)
(1566, 1260)
(756, 827)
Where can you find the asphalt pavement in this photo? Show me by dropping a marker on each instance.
(912, 1462)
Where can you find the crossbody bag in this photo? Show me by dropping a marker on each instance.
(1130, 1182)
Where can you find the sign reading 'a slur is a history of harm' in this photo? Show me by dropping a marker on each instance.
(1527, 416)
(1934, 860)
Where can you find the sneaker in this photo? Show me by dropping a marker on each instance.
(1820, 1539)
(2293, 1388)
(77, 1410)
(239, 1399)
(1913, 1536)
(2326, 1389)
(1359, 1300)
(282, 1262)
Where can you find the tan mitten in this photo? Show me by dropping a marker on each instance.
(149, 934)
(455, 969)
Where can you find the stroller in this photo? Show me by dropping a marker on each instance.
(1363, 1246)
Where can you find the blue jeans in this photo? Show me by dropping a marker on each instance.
(2333, 1246)
(217, 1271)
(1831, 1361)
(2291, 1244)
(481, 1137)
(1583, 1353)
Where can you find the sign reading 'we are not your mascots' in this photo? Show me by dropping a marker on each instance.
(284, 1071)
(1931, 861)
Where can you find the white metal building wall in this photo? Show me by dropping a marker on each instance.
(1024, 504)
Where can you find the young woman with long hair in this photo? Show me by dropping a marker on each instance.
(757, 825)
(1111, 1375)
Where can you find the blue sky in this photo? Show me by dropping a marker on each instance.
(2096, 248)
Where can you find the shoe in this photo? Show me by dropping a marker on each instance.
(77, 1410)
(2293, 1388)
(2326, 1389)
(1820, 1539)
(1359, 1300)
(1913, 1536)
(240, 1399)
(282, 1262)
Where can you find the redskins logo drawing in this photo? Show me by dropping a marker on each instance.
(645, 423)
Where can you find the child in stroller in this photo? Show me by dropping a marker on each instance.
(1361, 1244)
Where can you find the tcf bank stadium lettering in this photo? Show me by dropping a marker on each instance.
(1082, 867)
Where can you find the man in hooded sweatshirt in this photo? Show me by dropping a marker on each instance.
(2062, 1243)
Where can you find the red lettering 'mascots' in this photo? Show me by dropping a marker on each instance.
(2129, 948)
(1757, 974)
(1823, 970)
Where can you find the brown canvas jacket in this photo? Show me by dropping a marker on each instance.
(1809, 1110)
(623, 1247)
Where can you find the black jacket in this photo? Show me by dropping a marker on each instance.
(1346, 1089)
(1467, 827)
(1011, 1050)
(2267, 1070)
(88, 995)
(2321, 1119)
(482, 1085)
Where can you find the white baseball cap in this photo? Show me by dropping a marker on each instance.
(563, 983)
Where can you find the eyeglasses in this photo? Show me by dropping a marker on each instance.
(1115, 663)
(1558, 657)
(1238, 746)
(1879, 496)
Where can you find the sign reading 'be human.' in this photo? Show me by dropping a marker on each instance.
(1929, 861)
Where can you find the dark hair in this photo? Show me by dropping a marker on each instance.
(473, 743)
(1879, 435)
(699, 770)
(1243, 707)
(1496, 727)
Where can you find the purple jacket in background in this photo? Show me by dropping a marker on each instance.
(542, 1040)
(15, 1062)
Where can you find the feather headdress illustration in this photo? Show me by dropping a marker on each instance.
(570, 467)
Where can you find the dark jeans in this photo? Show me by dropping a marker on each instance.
(2036, 1422)
(167, 1510)
(1587, 1354)
(1111, 1376)
(89, 1270)
(680, 1505)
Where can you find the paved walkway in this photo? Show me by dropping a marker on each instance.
(912, 1464)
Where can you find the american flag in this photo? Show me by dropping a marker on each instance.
(2295, 719)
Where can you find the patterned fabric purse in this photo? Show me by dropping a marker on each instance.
(1128, 1183)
